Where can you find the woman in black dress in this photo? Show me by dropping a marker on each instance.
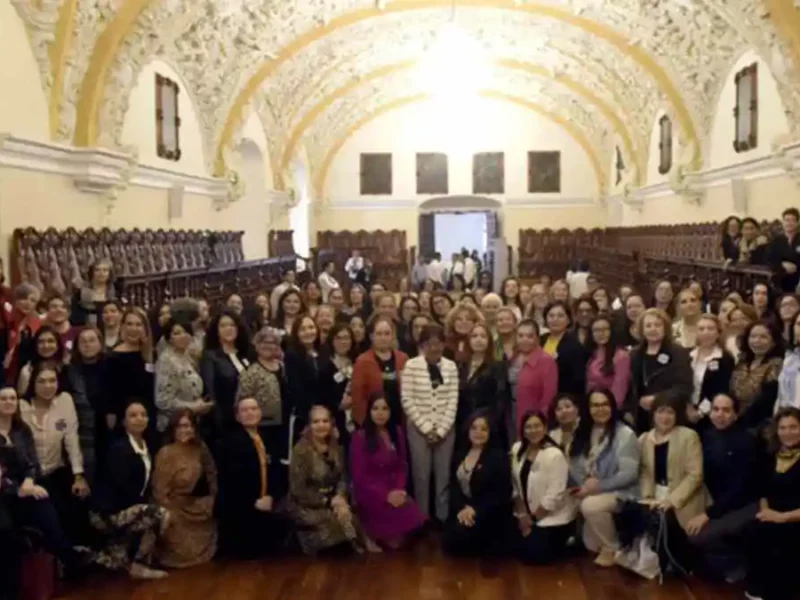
(335, 374)
(302, 363)
(227, 354)
(130, 372)
(772, 540)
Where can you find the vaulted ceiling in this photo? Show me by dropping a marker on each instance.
(316, 70)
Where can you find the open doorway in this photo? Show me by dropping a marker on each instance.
(455, 231)
(449, 224)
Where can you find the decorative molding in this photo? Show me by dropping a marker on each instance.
(98, 171)
(539, 201)
(784, 161)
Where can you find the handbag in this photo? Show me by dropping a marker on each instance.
(38, 572)
(640, 558)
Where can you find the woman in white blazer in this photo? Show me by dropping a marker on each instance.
(429, 393)
(544, 510)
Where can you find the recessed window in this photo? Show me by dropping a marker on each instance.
(746, 111)
(664, 145)
(168, 120)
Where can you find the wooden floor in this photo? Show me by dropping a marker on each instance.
(421, 573)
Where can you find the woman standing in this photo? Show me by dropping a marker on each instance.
(410, 343)
(318, 498)
(290, 307)
(664, 298)
(302, 361)
(185, 483)
(130, 367)
(429, 392)
(111, 325)
(712, 368)
(509, 294)
(123, 514)
(336, 373)
(755, 377)
(226, 356)
(544, 510)
(505, 334)
(178, 383)
(564, 347)
(265, 382)
(378, 370)
(609, 366)
(479, 516)
(88, 364)
(483, 384)
(629, 324)
(659, 367)
(90, 299)
(684, 330)
(380, 476)
(327, 282)
(458, 325)
(253, 486)
(533, 375)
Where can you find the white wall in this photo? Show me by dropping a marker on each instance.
(456, 231)
(139, 129)
(487, 126)
(771, 117)
(23, 105)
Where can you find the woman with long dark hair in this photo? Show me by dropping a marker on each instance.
(379, 470)
(185, 483)
(302, 362)
(545, 512)
(227, 354)
(335, 376)
(563, 345)
(479, 515)
(603, 469)
(609, 365)
(290, 307)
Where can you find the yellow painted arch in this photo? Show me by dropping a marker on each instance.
(58, 52)
(105, 50)
(573, 131)
(579, 89)
(786, 17)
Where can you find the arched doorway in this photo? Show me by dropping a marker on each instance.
(251, 214)
(449, 223)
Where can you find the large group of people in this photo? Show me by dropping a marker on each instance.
(532, 422)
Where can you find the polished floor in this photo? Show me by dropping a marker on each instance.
(421, 573)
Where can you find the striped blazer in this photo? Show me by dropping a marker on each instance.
(428, 409)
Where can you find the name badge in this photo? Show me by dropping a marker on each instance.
(662, 358)
(149, 367)
(68, 345)
(339, 377)
(61, 425)
(713, 365)
(705, 407)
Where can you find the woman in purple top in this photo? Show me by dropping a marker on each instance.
(379, 468)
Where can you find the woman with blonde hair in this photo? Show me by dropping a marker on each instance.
(505, 334)
(458, 325)
(684, 329)
(712, 367)
(659, 368)
(130, 368)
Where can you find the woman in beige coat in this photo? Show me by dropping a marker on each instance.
(671, 473)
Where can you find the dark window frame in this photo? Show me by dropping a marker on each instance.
(748, 75)
(173, 154)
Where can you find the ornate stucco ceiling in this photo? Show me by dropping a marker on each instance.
(314, 70)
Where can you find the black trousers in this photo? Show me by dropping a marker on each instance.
(11, 549)
(720, 545)
(73, 512)
(773, 556)
(488, 537)
(545, 545)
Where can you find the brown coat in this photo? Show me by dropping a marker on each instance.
(684, 472)
(368, 379)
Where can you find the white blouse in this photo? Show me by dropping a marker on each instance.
(546, 485)
(144, 454)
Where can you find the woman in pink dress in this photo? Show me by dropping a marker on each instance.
(379, 470)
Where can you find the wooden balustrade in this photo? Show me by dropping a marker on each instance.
(148, 267)
(641, 256)
(386, 249)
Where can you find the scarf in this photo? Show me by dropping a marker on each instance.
(787, 381)
(786, 458)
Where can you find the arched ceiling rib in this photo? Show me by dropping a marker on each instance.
(343, 112)
(609, 120)
(279, 57)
